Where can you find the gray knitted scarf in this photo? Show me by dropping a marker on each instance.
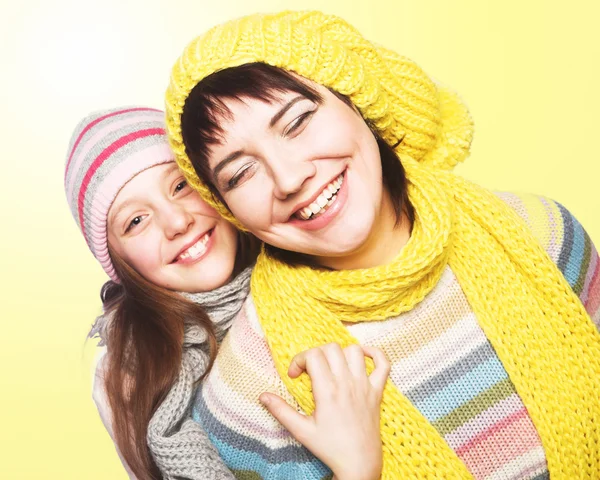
(180, 446)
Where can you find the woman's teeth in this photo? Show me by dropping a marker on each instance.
(323, 201)
(197, 249)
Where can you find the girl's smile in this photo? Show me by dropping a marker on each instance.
(197, 250)
(168, 234)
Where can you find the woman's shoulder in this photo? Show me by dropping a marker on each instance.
(566, 242)
(555, 227)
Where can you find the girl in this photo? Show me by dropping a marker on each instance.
(179, 276)
(337, 153)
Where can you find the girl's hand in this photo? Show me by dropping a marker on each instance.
(344, 430)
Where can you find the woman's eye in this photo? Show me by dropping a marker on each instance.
(298, 122)
(180, 186)
(238, 176)
(134, 222)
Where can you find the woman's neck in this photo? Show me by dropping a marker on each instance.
(385, 242)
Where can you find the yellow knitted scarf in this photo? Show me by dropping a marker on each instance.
(535, 322)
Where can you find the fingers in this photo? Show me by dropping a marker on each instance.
(380, 375)
(297, 424)
(315, 364)
(329, 363)
(326, 359)
(355, 359)
(336, 359)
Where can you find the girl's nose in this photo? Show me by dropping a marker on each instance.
(176, 221)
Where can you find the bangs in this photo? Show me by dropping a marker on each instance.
(205, 108)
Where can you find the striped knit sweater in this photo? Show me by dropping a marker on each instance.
(441, 360)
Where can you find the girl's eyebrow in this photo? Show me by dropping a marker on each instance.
(115, 214)
(234, 155)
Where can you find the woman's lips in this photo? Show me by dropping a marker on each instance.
(325, 199)
(321, 220)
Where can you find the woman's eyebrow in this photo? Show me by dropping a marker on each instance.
(223, 163)
(235, 155)
(284, 109)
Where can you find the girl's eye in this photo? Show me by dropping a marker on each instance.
(238, 176)
(298, 122)
(180, 186)
(136, 221)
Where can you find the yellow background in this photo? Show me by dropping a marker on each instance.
(529, 71)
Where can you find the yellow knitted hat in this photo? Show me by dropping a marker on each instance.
(390, 91)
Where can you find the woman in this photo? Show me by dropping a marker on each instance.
(179, 276)
(337, 153)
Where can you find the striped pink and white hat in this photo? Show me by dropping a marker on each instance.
(107, 150)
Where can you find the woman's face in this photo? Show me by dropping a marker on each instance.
(163, 229)
(301, 176)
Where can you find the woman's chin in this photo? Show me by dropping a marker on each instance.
(333, 254)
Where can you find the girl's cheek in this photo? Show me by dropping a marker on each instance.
(145, 255)
(196, 204)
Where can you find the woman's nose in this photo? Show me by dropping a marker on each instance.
(176, 221)
(290, 174)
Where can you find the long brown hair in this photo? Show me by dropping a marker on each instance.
(145, 342)
(205, 108)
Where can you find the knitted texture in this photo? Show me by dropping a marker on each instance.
(441, 361)
(107, 149)
(531, 316)
(533, 319)
(390, 91)
(180, 447)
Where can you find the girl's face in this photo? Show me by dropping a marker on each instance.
(163, 229)
(301, 176)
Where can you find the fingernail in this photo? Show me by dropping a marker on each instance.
(265, 399)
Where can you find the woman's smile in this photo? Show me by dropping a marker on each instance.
(302, 174)
(324, 207)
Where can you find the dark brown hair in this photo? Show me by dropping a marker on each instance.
(205, 107)
(144, 340)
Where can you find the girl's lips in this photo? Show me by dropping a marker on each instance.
(326, 217)
(188, 260)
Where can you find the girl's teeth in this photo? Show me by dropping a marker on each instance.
(321, 201)
(197, 249)
(314, 208)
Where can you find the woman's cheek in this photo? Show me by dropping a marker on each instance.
(252, 203)
(252, 211)
(336, 143)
